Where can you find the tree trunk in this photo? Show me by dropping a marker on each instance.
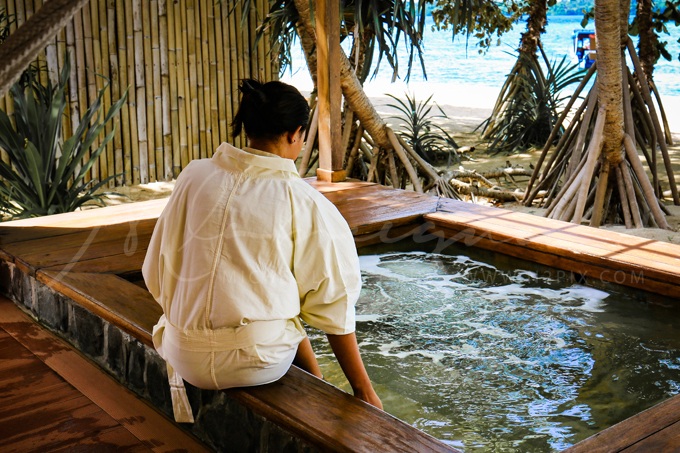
(535, 27)
(647, 49)
(610, 91)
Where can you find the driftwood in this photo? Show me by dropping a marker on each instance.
(493, 192)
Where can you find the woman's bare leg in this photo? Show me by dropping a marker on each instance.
(306, 359)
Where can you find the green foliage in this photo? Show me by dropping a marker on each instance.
(383, 25)
(528, 107)
(46, 173)
(4, 25)
(484, 20)
(664, 13)
(419, 130)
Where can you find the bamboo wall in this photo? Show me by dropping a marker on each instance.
(180, 62)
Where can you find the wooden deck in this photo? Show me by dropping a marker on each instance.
(92, 257)
(51, 398)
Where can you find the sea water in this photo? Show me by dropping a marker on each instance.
(450, 61)
(506, 357)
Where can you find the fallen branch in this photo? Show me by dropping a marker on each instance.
(494, 192)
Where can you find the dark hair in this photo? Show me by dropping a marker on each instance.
(269, 110)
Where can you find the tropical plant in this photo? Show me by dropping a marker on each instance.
(4, 25)
(482, 19)
(527, 109)
(595, 171)
(419, 129)
(46, 174)
(372, 25)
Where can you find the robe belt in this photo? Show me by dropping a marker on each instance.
(210, 340)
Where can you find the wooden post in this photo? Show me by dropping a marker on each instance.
(331, 153)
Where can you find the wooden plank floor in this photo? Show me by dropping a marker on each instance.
(66, 250)
(53, 399)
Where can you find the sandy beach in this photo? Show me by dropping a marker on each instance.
(466, 106)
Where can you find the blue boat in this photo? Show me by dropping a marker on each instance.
(585, 47)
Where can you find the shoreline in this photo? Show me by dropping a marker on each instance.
(466, 106)
(468, 103)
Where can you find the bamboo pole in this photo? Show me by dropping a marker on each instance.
(242, 44)
(41, 58)
(90, 77)
(201, 79)
(13, 25)
(51, 56)
(230, 81)
(107, 159)
(123, 148)
(185, 108)
(232, 73)
(127, 72)
(193, 79)
(79, 65)
(142, 117)
(157, 99)
(116, 161)
(176, 86)
(74, 105)
(164, 167)
(213, 84)
(204, 70)
(149, 82)
(222, 132)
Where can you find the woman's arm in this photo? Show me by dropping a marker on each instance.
(346, 351)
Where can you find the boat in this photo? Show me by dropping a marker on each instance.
(585, 47)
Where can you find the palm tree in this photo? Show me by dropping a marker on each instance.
(595, 171)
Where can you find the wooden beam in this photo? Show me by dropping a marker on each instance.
(331, 153)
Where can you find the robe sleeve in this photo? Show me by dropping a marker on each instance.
(326, 266)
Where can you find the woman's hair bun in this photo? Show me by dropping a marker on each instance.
(253, 88)
(270, 109)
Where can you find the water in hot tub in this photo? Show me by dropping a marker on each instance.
(506, 359)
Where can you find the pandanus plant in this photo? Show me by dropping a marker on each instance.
(45, 174)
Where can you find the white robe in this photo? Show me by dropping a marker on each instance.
(243, 249)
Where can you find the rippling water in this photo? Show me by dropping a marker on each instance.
(500, 358)
(451, 61)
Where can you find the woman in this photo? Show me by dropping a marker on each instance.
(242, 251)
